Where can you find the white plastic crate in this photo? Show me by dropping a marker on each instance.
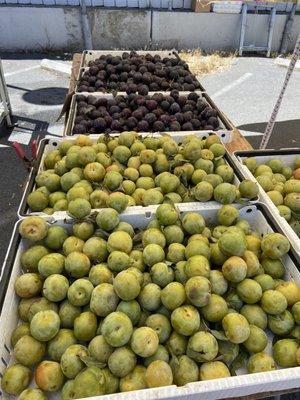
(227, 7)
(187, 4)
(155, 3)
(109, 3)
(37, 2)
(132, 3)
(121, 3)
(224, 123)
(47, 145)
(237, 386)
(91, 55)
(176, 4)
(144, 3)
(263, 156)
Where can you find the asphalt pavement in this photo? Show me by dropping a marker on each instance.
(247, 93)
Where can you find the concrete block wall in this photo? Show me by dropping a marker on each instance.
(40, 28)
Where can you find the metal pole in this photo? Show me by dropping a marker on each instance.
(271, 123)
(243, 28)
(86, 29)
(270, 30)
(4, 98)
(287, 30)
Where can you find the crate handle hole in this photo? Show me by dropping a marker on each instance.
(7, 349)
(249, 210)
(54, 144)
(3, 361)
(148, 214)
(204, 137)
(223, 135)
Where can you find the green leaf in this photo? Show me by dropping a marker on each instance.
(120, 189)
(177, 163)
(205, 324)
(92, 362)
(107, 137)
(170, 263)
(184, 179)
(220, 335)
(239, 362)
(244, 202)
(219, 358)
(168, 200)
(92, 217)
(88, 109)
(138, 237)
(175, 361)
(101, 233)
(138, 247)
(192, 354)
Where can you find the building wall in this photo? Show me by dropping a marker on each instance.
(40, 28)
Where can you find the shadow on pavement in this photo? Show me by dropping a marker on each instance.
(46, 96)
(284, 135)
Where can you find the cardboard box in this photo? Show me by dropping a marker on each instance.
(201, 6)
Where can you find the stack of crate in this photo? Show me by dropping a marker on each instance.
(259, 214)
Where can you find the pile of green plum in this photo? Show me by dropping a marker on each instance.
(282, 185)
(110, 308)
(129, 170)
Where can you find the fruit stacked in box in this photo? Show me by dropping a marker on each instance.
(128, 170)
(132, 72)
(152, 113)
(105, 307)
(282, 185)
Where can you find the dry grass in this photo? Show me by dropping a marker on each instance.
(202, 65)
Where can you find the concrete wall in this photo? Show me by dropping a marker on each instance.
(216, 31)
(40, 28)
(59, 28)
(191, 30)
(113, 29)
